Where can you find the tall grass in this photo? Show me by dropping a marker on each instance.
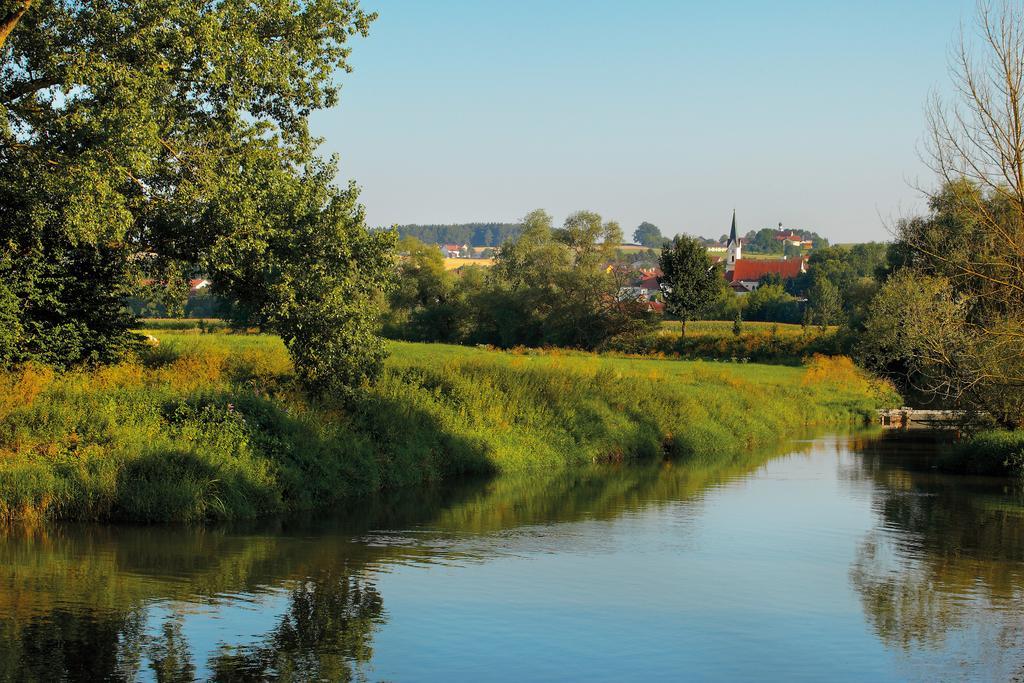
(213, 426)
(997, 453)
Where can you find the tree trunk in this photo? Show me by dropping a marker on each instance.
(8, 22)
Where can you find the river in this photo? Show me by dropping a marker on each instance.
(835, 558)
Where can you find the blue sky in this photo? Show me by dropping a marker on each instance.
(805, 113)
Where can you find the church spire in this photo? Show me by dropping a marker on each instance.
(735, 248)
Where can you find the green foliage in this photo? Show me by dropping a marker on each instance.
(824, 301)
(726, 306)
(649, 235)
(996, 453)
(758, 342)
(156, 139)
(854, 271)
(11, 330)
(64, 304)
(948, 322)
(762, 242)
(737, 325)
(196, 325)
(210, 427)
(429, 302)
(305, 267)
(772, 303)
(691, 281)
(473, 234)
(909, 309)
(549, 287)
(591, 241)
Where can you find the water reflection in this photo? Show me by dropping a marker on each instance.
(943, 568)
(327, 629)
(718, 569)
(84, 602)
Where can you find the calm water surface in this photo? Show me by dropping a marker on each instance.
(841, 558)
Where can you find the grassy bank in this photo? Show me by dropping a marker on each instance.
(996, 453)
(209, 426)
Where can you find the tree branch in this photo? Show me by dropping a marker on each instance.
(22, 88)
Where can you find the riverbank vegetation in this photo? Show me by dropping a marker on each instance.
(949, 321)
(211, 426)
(997, 453)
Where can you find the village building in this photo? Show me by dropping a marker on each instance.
(456, 250)
(196, 285)
(744, 275)
(791, 239)
(645, 288)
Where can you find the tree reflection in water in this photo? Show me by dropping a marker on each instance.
(326, 632)
(170, 656)
(945, 567)
(85, 602)
(72, 645)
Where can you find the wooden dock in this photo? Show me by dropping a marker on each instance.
(914, 418)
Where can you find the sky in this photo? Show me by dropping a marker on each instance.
(806, 113)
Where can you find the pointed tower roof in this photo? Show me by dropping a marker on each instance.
(732, 233)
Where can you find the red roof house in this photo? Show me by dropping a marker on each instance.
(650, 284)
(655, 306)
(752, 270)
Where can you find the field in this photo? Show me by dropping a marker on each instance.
(454, 263)
(211, 425)
(635, 248)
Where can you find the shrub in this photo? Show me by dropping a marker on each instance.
(995, 453)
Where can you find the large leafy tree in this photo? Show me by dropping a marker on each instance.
(952, 325)
(942, 325)
(648, 235)
(690, 281)
(157, 138)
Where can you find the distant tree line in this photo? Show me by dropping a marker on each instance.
(473, 234)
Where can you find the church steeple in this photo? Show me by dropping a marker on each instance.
(735, 248)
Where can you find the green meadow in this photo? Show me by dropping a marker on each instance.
(209, 426)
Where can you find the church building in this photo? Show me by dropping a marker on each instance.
(744, 275)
